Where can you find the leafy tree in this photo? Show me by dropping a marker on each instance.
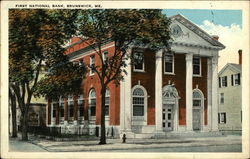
(126, 28)
(36, 37)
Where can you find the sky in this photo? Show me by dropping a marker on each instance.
(227, 24)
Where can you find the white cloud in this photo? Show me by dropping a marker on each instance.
(230, 36)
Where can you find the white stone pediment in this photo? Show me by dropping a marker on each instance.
(185, 33)
(187, 36)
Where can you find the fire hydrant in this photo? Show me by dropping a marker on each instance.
(124, 138)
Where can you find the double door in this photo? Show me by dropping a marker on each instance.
(168, 117)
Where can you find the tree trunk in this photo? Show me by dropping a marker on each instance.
(13, 114)
(24, 122)
(103, 130)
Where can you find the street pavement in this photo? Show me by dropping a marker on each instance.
(230, 143)
(16, 145)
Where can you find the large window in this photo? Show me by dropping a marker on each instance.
(92, 102)
(138, 58)
(196, 65)
(61, 105)
(92, 65)
(138, 102)
(107, 98)
(168, 63)
(71, 105)
(54, 105)
(222, 118)
(80, 106)
(222, 98)
(235, 79)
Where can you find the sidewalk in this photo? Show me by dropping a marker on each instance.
(131, 144)
(16, 145)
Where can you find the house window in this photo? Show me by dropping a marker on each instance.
(169, 63)
(138, 102)
(107, 96)
(105, 56)
(222, 118)
(138, 58)
(223, 81)
(222, 98)
(196, 65)
(235, 79)
(61, 105)
(70, 105)
(92, 65)
(92, 102)
(54, 110)
(80, 106)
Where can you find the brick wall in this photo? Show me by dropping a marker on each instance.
(147, 80)
(179, 80)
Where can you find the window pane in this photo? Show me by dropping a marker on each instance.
(196, 69)
(196, 65)
(62, 112)
(71, 110)
(138, 110)
(106, 110)
(138, 61)
(92, 111)
(168, 59)
(168, 67)
(54, 113)
(169, 116)
(138, 92)
(81, 107)
(196, 103)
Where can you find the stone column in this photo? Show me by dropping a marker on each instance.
(189, 92)
(209, 93)
(75, 110)
(127, 94)
(122, 106)
(65, 111)
(158, 92)
(215, 93)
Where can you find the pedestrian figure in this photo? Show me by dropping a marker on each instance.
(124, 138)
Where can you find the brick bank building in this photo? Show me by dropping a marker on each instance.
(163, 93)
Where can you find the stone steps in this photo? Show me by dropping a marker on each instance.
(176, 135)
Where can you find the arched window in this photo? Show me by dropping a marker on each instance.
(92, 102)
(70, 106)
(107, 98)
(80, 106)
(197, 98)
(138, 102)
(61, 105)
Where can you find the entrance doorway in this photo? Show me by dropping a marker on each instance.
(196, 120)
(198, 110)
(168, 117)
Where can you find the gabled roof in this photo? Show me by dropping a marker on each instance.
(234, 67)
(184, 21)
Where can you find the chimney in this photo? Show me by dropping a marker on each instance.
(215, 37)
(240, 56)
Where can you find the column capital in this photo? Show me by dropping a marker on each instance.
(189, 56)
(159, 54)
(215, 60)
